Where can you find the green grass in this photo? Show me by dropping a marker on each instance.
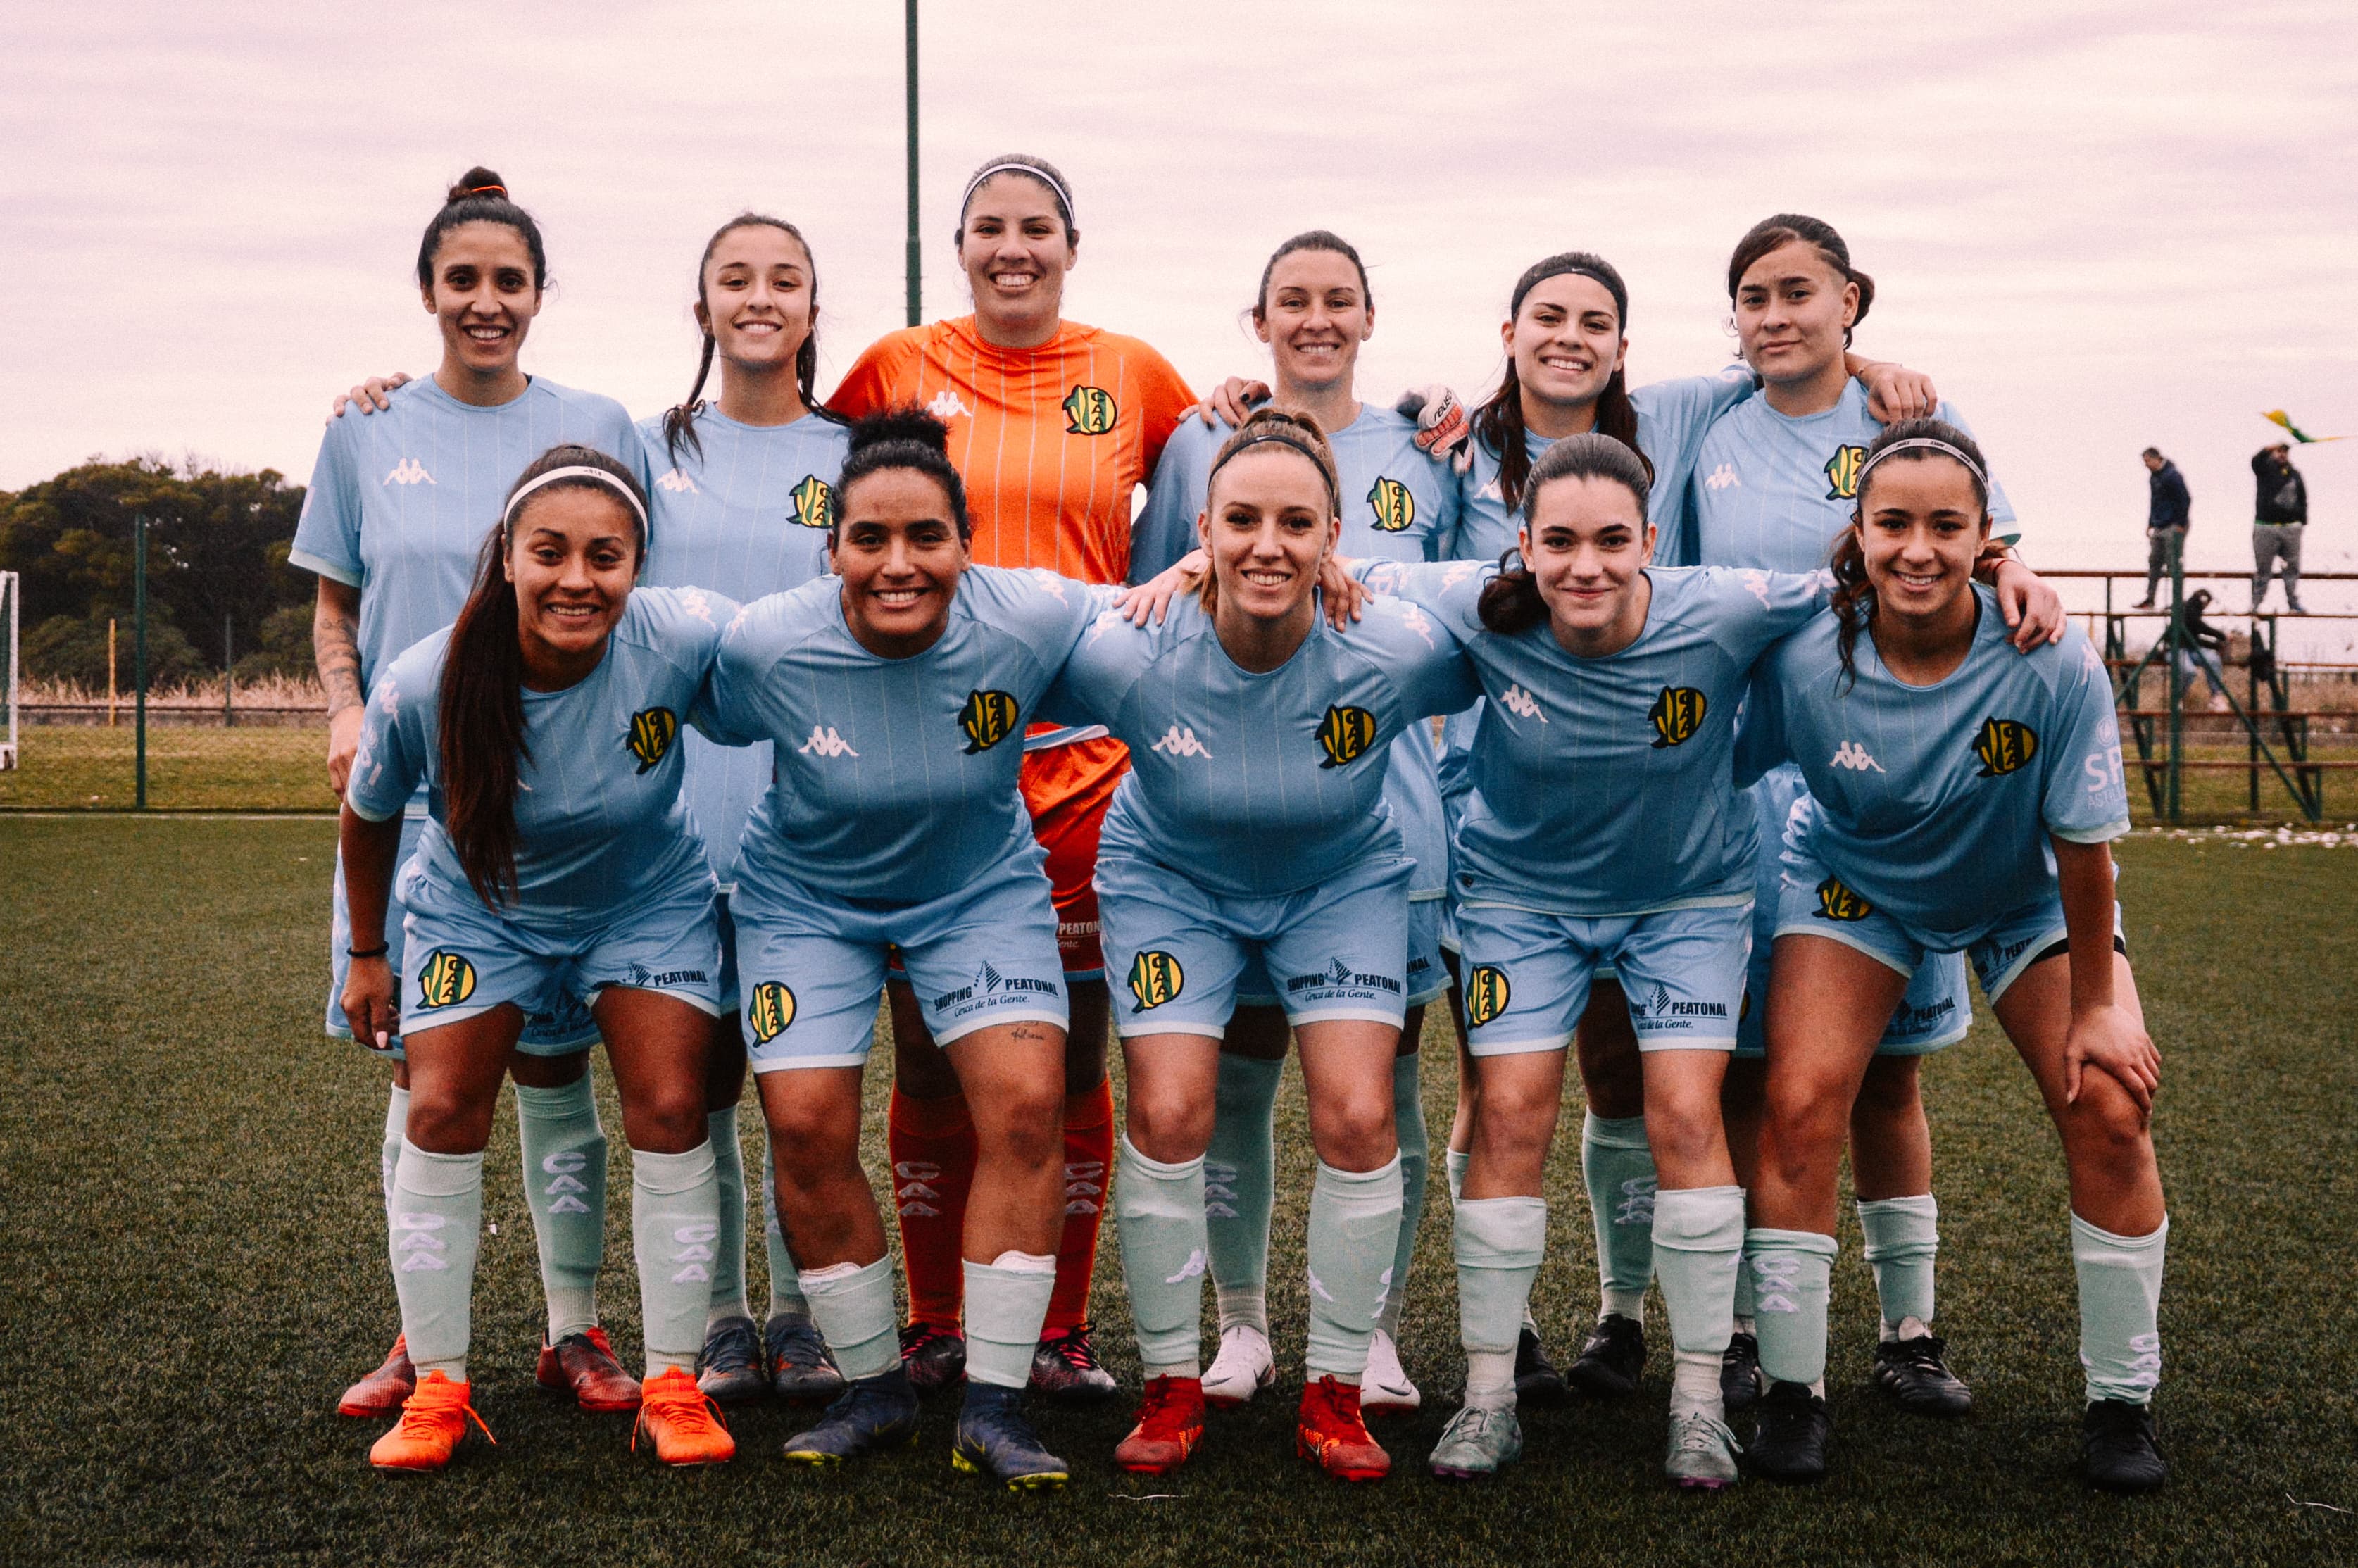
(195, 1265)
(190, 767)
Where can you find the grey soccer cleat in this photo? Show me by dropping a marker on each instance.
(1703, 1452)
(1478, 1440)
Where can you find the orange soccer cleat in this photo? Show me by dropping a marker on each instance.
(583, 1365)
(683, 1421)
(1331, 1434)
(382, 1391)
(432, 1421)
(1170, 1424)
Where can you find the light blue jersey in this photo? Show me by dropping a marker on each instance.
(599, 819)
(1259, 784)
(1602, 786)
(400, 502)
(748, 518)
(1934, 804)
(896, 778)
(1672, 418)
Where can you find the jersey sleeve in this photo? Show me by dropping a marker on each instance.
(1432, 584)
(1773, 605)
(2087, 797)
(871, 381)
(2004, 528)
(395, 742)
(327, 534)
(1430, 666)
(1163, 401)
(1165, 529)
(1760, 743)
(1098, 672)
(728, 707)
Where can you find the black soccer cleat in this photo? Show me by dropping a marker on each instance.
(934, 1357)
(995, 1440)
(729, 1369)
(1608, 1364)
(1912, 1372)
(871, 1415)
(1794, 1431)
(1065, 1367)
(1537, 1382)
(802, 1368)
(1739, 1373)
(2120, 1448)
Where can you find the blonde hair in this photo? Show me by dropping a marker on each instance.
(1272, 426)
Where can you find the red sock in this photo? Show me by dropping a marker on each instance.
(1088, 1172)
(932, 1145)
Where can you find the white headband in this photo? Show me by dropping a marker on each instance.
(580, 471)
(1923, 443)
(1055, 186)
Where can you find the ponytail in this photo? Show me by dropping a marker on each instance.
(679, 422)
(482, 727)
(1853, 601)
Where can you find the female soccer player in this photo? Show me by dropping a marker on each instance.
(391, 527)
(1314, 310)
(1960, 797)
(1252, 835)
(543, 726)
(1053, 426)
(744, 499)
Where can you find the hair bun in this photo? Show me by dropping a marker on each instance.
(908, 423)
(477, 181)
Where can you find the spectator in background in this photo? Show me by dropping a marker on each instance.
(2279, 517)
(2200, 645)
(2166, 514)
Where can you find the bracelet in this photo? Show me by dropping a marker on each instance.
(378, 951)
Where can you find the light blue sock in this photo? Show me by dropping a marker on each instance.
(1616, 1164)
(1903, 1237)
(852, 1306)
(1698, 1231)
(1006, 1301)
(2120, 1309)
(1454, 1163)
(564, 1150)
(1355, 1219)
(1159, 1215)
(785, 1280)
(438, 1220)
(1408, 1116)
(1500, 1244)
(728, 1173)
(675, 1227)
(1240, 1187)
(1792, 1276)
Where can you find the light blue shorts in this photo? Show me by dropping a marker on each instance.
(463, 960)
(1430, 931)
(811, 966)
(558, 1029)
(1527, 976)
(1178, 954)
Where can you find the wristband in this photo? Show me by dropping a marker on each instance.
(378, 951)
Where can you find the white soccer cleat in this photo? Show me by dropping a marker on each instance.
(1384, 1388)
(1242, 1369)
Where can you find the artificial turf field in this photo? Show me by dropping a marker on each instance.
(194, 1265)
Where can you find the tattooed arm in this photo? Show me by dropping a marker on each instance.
(335, 645)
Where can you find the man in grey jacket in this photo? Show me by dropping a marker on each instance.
(2166, 518)
(2279, 517)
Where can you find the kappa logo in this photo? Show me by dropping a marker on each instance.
(824, 742)
(814, 502)
(1179, 740)
(1676, 715)
(769, 1010)
(1486, 994)
(2003, 745)
(1755, 583)
(1394, 505)
(947, 406)
(1155, 979)
(1842, 472)
(1521, 704)
(1413, 619)
(409, 471)
(567, 1192)
(1345, 735)
(1721, 478)
(693, 1248)
(1193, 1268)
(677, 482)
(1852, 755)
(651, 733)
(1090, 411)
(1836, 902)
(987, 717)
(445, 979)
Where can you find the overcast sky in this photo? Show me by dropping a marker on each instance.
(2096, 225)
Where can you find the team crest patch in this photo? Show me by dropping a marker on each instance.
(814, 502)
(1842, 472)
(1090, 411)
(1836, 902)
(1676, 715)
(987, 717)
(1393, 504)
(651, 733)
(1155, 979)
(1486, 994)
(445, 979)
(1345, 735)
(2003, 745)
(770, 1010)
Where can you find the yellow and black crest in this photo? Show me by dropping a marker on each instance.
(770, 1010)
(1486, 992)
(987, 717)
(1090, 411)
(2003, 745)
(1836, 902)
(1394, 505)
(1676, 715)
(1842, 472)
(651, 733)
(1155, 979)
(1344, 734)
(814, 502)
(445, 979)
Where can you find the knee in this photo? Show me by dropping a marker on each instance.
(1354, 1131)
(670, 1121)
(1026, 1123)
(1168, 1127)
(1891, 1090)
(2105, 1125)
(447, 1123)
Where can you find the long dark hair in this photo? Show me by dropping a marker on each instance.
(480, 196)
(679, 422)
(1511, 603)
(1498, 423)
(1853, 601)
(482, 738)
(1789, 228)
(904, 437)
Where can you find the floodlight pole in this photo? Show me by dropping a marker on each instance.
(916, 304)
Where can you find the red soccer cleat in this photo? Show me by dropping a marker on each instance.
(1170, 1424)
(382, 1391)
(583, 1365)
(432, 1421)
(1331, 1434)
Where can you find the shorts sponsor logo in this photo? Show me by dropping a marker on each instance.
(677, 482)
(2003, 745)
(1155, 979)
(824, 742)
(1090, 411)
(814, 501)
(445, 979)
(408, 471)
(1338, 976)
(1912, 1020)
(1842, 472)
(769, 1012)
(1394, 505)
(1345, 735)
(1836, 902)
(989, 983)
(645, 979)
(1486, 994)
(651, 733)
(1676, 715)
(1179, 740)
(1852, 755)
(987, 717)
(1521, 704)
(945, 405)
